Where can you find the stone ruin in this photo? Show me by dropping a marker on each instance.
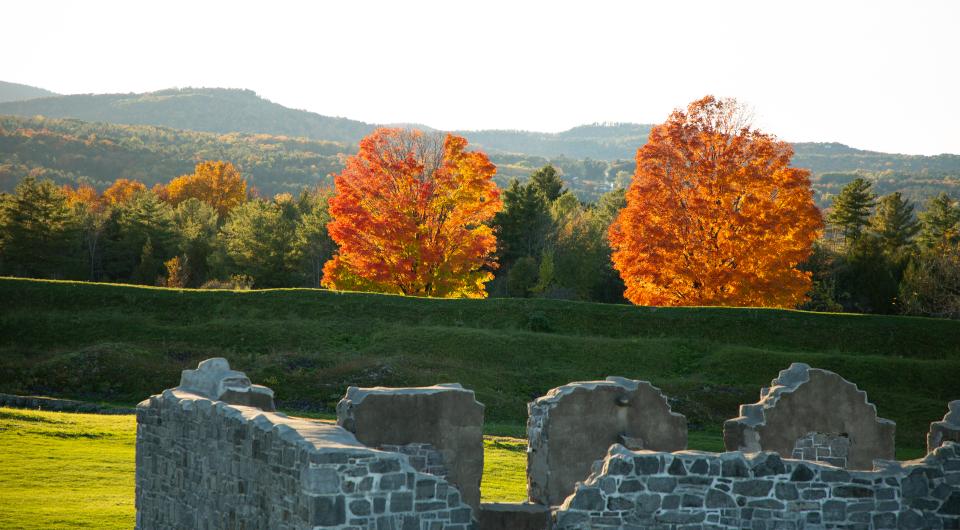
(816, 415)
(574, 425)
(212, 454)
(947, 429)
(207, 463)
(439, 427)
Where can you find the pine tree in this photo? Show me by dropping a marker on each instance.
(894, 223)
(851, 209)
(523, 224)
(941, 223)
(547, 182)
(39, 235)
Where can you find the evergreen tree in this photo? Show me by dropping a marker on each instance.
(547, 182)
(196, 226)
(312, 246)
(523, 224)
(144, 218)
(39, 236)
(851, 209)
(941, 223)
(894, 223)
(258, 240)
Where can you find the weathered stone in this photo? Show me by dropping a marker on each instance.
(804, 400)
(947, 429)
(214, 379)
(573, 425)
(719, 499)
(448, 417)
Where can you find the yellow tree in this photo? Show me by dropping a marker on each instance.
(715, 215)
(122, 190)
(218, 184)
(410, 217)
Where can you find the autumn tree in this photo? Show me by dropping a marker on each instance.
(122, 191)
(715, 215)
(410, 217)
(218, 184)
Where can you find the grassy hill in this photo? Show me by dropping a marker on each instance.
(122, 343)
(18, 92)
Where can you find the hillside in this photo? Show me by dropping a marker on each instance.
(18, 92)
(69, 151)
(122, 343)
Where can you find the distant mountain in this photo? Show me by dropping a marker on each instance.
(18, 92)
(593, 158)
(198, 109)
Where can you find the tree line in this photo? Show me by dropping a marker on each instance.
(714, 215)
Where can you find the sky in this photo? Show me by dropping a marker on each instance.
(877, 75)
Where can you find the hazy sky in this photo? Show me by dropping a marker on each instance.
(872, 74)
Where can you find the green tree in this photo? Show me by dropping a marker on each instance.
(312, 246)
(851, 209)
(142, 236)
(258, 239)
(894, 223)
(547, 182)
(941, 223)
(523, 224)
(39, 236)
(522, 277)
(196, 226)
(931, 284)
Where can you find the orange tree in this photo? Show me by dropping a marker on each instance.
(715, 215)
(218, 184)
(410, 217)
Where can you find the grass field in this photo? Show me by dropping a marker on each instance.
(122, 343)
(62, 470)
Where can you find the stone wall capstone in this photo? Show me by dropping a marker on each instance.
(447, 417)
(573, 425)
(947, 429)
(762, 491)
(804, 400)
(203, 463)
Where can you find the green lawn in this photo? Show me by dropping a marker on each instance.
(62, 470)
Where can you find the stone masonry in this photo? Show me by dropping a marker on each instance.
(947, 429)
(830, 449)
(203, 463)
(574, 425)
(804, 400)
(447, 417)
(760, 491)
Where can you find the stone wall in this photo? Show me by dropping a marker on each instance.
(690, 489)
(207, 464)
(947, 429)
(574, 425)
(447, 417)
(804, 400)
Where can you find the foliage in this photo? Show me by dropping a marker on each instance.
(715, 215)
(409, 217)
(851, 209)
(258, 239)
(218, 184)
(931, 284)
(894, 223)
(941, 223)
(37, 230)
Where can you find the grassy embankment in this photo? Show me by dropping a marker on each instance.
(122, 343)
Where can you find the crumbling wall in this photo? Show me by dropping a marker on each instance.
(207, 464)
(447, 417)
(574, 425)
(691, 489)
(804, 400)
(947, 429)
